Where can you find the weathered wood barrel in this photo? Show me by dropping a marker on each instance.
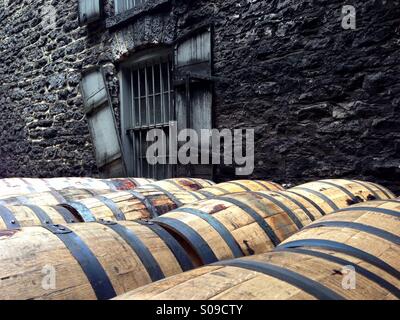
(15, 217)
(184, 184)
(127, 183)
(20, 186)
(142, 203)
(86, 260)
(239, 224)
(240, 186)
(340, 193)
(54, 197)
(352, 254)
(248, 223)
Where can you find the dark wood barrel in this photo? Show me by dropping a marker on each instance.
(240, 186)
(142, 203)
(248, 223)
(89, 260)
(352, 254)
(340, 193)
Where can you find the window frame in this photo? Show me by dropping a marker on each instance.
(121, 18)
(129, 126)
(95, 16)
(129, 5)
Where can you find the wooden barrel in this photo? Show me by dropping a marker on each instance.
(334, 194)
(87, 260)
(94, 183)
(28, 185)
(239, 224)
(248, 223)
(184, 184)
(127, 183)
(15, 217)
(17, 191)
(240, 186)
(142, 203)
(20, 186)
(54, 197)
(352, 254)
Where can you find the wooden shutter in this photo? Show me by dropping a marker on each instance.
(102, 125)
(193, 89)
(89, 11)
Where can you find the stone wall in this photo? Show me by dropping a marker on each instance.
(324, 101)
(43, 131)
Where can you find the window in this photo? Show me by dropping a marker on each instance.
(147, 103)
(123, 5)
(151, 99)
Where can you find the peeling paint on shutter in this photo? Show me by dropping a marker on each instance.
(102, 125)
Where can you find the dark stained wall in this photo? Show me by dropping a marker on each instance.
(324, 101)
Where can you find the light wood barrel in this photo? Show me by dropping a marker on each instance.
(335, 194)
(183, 184)
(88, 260)
(94, 183)
(239, 224)
(15, 217)
(240, 186)
(352, 254)
(54, 197)
(29, 185)
(248, 223)
(127, 183)
(142, 203)
(20, 186)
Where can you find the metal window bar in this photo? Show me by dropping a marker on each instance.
(152, 107)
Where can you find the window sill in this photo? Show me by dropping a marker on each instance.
(128, 16)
